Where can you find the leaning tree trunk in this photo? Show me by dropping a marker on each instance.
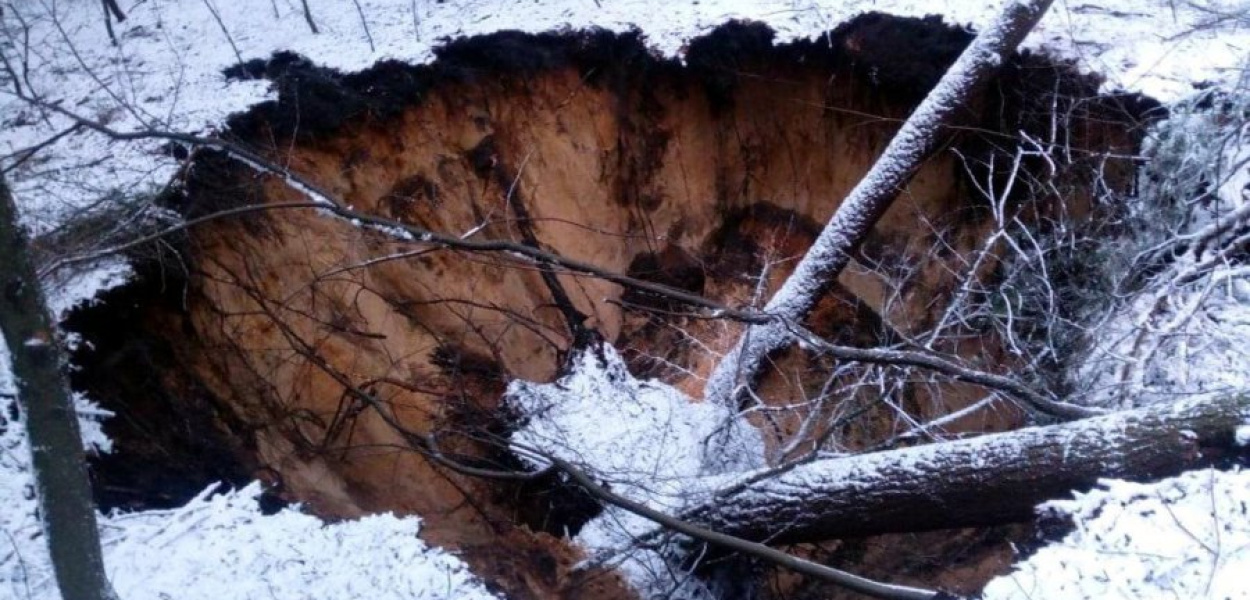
(988, 480)
(66, 508)
(918, 138)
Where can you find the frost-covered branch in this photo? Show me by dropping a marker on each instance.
(888, 356)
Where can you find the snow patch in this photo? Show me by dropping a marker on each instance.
(219, 547)
(78, 287)
(628, 431)
(91, 418)
(1184, 537)
(8, 386)
(643, 439)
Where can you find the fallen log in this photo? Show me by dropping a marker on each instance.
(987, 480)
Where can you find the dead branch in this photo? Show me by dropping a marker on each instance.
(918, 138)
(863, 585)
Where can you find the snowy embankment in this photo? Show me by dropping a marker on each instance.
(1183, 538)
(165, 72)
(220, 546)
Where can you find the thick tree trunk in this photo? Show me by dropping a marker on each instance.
(918, 138)
(68, 513)
(987, 480)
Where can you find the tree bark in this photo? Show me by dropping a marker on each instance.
(66, 507)
(838, 577)
(988, 480)
(918, 138)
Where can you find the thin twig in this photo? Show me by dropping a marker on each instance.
(217, 17)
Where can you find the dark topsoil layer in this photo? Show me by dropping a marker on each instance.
(904, 57)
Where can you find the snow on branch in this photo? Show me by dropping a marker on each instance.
(871, 197)
(989, 479)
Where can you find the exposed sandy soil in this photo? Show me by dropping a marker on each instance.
(696, 176)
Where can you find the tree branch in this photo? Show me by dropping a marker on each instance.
(871, 197)
(932, 362)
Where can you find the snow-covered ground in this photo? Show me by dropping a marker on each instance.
(1183, 538)
(220, 547)
(652, 452)
(165, 72)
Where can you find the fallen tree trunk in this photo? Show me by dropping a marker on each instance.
(988, 480)
(919, 137)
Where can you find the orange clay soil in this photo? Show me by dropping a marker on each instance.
(701, 175)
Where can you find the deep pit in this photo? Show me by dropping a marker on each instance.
(696, 174)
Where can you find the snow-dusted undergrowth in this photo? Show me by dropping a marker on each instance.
(1187, 537)
(220, 546)
(1183, 329)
